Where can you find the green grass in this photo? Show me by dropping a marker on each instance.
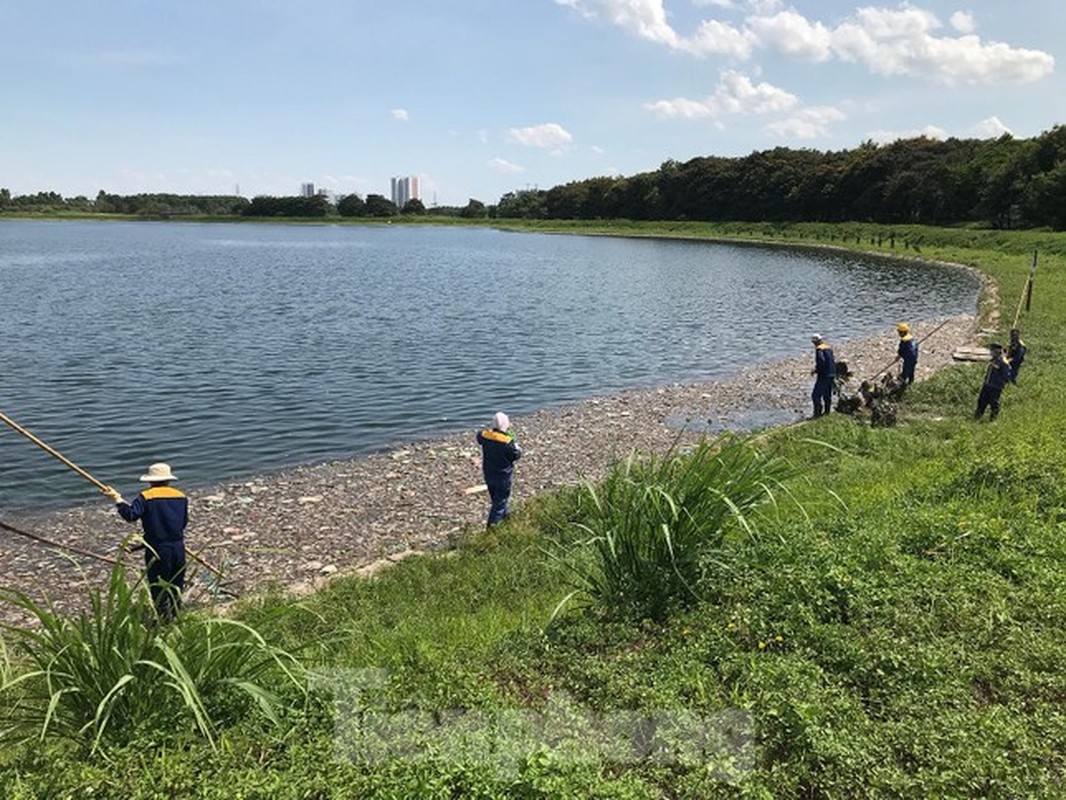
(656, 525)
(895, 629)
(101, 677)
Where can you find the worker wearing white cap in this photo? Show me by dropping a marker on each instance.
(499, 452)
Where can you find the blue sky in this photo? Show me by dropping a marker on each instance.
(482, 97)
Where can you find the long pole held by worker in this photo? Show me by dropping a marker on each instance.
(57, 545)
(1027, 292)
(103, 487)
(888, 366)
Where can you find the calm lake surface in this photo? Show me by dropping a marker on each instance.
(230, 350)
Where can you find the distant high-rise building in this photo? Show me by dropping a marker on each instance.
(404, 189)
(307, 190)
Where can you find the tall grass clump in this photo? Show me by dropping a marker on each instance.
(98, 677)
(653, 525)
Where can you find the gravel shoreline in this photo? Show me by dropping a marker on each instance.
(296, 529)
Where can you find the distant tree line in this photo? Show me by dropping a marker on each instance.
(1002, 183)
(170, 206)
(147, 205)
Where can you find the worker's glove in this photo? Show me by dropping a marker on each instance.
(113, 495)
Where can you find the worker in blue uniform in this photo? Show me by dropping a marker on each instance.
(164, 514)
(499, 452)
(996, 377)
(825, 373)
(1015, 354)
(907, 353)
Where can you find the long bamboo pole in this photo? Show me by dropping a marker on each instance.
(58, 545)
(103, 487)
(1027, 292)
(52, 452)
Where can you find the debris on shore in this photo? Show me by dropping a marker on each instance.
(296, 529)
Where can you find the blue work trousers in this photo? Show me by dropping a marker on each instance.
(822, 396)
(165, 571)
(907, 373)
(499, 493)
(989, 398)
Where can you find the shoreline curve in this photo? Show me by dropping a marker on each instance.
(298, 528)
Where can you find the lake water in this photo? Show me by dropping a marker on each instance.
(231, 350)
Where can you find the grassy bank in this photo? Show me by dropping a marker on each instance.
(890, 626)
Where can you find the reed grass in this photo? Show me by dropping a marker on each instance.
(99, 677)
(655, 524)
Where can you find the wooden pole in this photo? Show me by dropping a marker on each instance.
(1029, 287)
(1026, 298)
(103, 487)
(58, 545)
(55, 453)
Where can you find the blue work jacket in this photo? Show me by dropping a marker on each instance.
(163, 512)
(824, 364)
(998, 374)
(499, 451)
(908, 349)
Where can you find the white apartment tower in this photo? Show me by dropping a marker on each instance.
(404, 189)
(307, 190)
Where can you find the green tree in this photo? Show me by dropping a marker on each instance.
(414, 206)
(351, 205)
(526, 204)
(474, 209)
(377, 205)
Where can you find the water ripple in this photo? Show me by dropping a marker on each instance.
(264, 346)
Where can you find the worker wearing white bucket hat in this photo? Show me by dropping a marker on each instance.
(164, 514)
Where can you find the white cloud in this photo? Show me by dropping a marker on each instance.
(807, 123)
(682, 107)
(963, 22)
(399, 114)
(904, 41)
(482, 136)
(990, 128)
(597, 150)
(550, 135)
(645, 18)
(504, 166)
(718, 38)
(735, 94)
(738, 95)
(793, 35)
(929, 132)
